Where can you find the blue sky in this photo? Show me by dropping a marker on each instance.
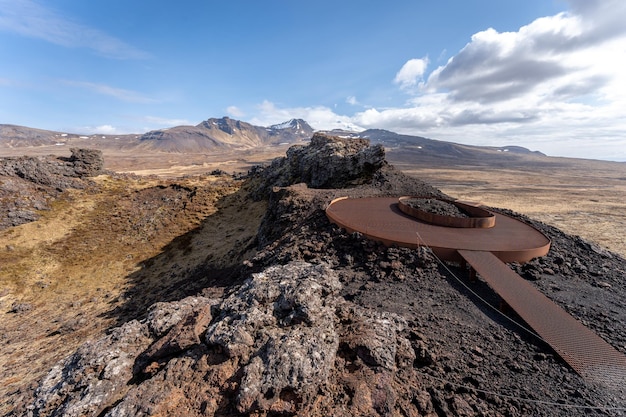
(543, 74)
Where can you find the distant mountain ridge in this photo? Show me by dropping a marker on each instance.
(224, 133)
(435, 147)
(211, 134)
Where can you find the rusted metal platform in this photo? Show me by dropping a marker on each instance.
(588, 354)
(486, 250)
(379, 218)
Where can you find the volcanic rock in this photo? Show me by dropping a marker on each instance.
(327, 162)
(30, 183)
(87, 162)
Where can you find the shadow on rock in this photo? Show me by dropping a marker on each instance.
(207, 259)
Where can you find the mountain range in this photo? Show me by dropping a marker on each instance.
(211, 134)
(229, 134)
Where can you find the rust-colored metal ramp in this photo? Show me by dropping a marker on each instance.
(588, 354)
(487, 250)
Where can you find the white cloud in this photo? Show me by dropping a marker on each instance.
(319, 117)
(352, 101)
(101, 130)
(234, 111)
(31, 19)
(107, 90)
(555, 85)
(411, 73)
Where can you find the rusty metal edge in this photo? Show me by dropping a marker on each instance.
(480, 218)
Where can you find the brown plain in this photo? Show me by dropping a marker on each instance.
(586, 198)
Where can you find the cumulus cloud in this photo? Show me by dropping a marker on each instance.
(319, 117)
(552, 56)
(411, 73)
(604, 19)
(554, 85)
(235, 111)
(34, 20)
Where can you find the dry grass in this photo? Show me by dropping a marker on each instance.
(73, 270)
(165, 164)
(588, 200)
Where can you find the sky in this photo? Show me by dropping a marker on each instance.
(545, 74)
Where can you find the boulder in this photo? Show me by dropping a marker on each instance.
(30, 183)
(86, 162)
(327, 162)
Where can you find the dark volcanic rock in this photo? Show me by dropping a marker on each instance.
(276, 340)
(281, 326)
(87, 162)
(327, 162)
(54, 172)
(438, 207)
(29, 183)
(100, 371)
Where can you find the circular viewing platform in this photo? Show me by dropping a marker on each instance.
(381, 219)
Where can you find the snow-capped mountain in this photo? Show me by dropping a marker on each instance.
(226, 133)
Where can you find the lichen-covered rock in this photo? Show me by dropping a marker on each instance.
(327, 162)
(184, 335)
(94, 377)
(163, 316)
(270, 347)
(282, 321)
(100, 373)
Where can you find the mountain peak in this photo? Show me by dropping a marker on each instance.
(293, 124)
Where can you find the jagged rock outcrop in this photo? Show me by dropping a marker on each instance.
(52, 171)
(102, 370)
(281, 326)
(327, 162)
(28, 183)
(272, 345)
(86, 162)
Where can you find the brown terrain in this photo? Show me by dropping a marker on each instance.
(581, 197)
(161, 226)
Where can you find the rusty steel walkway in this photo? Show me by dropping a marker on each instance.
(588, 354)
(486, 250)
